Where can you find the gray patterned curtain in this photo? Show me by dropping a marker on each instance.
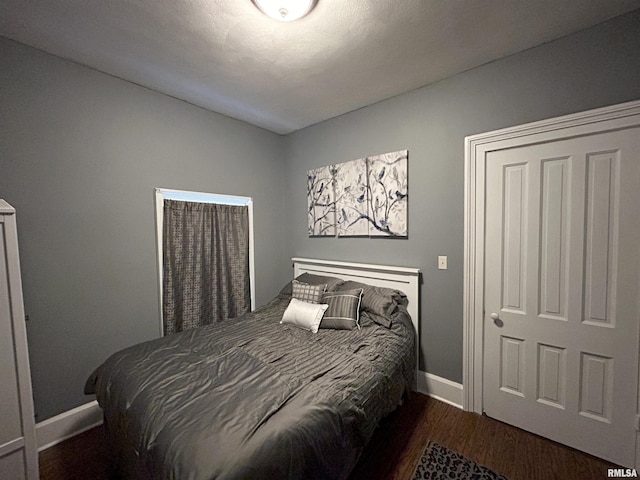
(205, 264)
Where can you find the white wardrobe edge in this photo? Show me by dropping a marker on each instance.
(440, 388)
(57, 429)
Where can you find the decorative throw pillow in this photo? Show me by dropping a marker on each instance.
(344, 309)
(332, 283)
(307, 293)
(379, 300)
(304, 315)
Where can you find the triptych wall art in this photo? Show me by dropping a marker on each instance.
(365, 197)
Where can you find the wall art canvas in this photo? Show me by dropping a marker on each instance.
(388, 194)
(365, 197)
(321, 205)
(350, 181)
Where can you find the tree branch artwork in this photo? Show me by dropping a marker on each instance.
(365, 197)
(321, 202)
(388, 194)
(351, 198)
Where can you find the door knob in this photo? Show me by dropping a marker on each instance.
(495, 316)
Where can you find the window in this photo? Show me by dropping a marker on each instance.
(161, 195)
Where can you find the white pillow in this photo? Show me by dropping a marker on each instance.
(304, 315)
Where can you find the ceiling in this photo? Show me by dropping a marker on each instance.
(226, 56)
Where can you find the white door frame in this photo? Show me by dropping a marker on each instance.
(606, 119)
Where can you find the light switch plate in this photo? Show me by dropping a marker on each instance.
(442, 262)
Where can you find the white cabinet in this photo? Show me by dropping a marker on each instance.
(18, 453)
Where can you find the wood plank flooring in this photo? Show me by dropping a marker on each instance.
(394, 450)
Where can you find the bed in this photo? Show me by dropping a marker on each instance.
(253, 398)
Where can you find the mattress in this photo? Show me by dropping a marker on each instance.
(250, 398)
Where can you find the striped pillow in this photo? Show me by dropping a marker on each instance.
(344, 309)
(307, 293)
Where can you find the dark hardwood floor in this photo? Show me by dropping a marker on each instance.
(394, 450)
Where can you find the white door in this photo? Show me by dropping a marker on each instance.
(561, 301)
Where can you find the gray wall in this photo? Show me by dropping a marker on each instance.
(80, 154)
(593, 68)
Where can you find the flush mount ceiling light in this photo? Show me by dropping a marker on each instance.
(285, 10)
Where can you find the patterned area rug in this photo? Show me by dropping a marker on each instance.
(440, 463)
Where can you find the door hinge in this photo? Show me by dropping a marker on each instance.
(638, 423)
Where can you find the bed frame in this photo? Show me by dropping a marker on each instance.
(405, 279)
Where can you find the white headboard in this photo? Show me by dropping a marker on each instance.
(405, 279)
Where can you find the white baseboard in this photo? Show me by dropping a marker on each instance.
(440, 388)
(57, 429)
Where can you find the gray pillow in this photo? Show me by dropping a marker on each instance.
(374, 317)
(332, 283)
(307, 293)
(381, 302)
(344, 309)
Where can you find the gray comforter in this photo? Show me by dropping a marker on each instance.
(251, 399)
